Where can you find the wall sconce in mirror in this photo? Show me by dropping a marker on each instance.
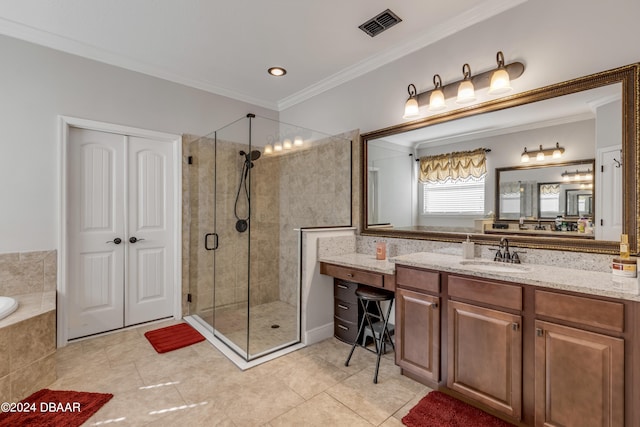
(542, 153)
(497, 80)
(577, 175)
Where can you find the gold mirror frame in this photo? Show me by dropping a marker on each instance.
(628, 75)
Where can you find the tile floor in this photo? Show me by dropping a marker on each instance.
(198, 386)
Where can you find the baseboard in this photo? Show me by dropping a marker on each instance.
(318, 334)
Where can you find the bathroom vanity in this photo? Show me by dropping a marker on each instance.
(533, 344)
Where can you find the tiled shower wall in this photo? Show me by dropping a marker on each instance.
(304, 188)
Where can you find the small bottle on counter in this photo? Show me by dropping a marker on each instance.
(381, 250)
(624, 246)
(468, 249)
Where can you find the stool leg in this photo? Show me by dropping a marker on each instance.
(360, 328)
(386, 324)
(379, 347)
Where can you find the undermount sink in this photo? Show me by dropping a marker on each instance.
(496, 267)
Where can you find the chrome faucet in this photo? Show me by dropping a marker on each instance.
(503, 254)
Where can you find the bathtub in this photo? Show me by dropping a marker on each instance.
(7, 306)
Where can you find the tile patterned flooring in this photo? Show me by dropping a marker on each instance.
(198, 386)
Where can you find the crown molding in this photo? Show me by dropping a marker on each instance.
(470, 17)
(84, 50)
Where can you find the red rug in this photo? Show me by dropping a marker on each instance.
(440, 410)
(53, 408)
(173, 337)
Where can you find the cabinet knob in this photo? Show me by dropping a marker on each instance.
(515, 326)
(349, 275)
(539, 332)
(434, 305)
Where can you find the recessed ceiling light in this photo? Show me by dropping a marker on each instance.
(277, 71)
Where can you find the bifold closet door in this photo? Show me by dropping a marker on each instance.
(121, 237)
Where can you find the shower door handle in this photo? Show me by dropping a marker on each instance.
(215, 241)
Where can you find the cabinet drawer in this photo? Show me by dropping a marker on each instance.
(587, 311)
(353, 275)
(344, 330)
(428, 281)
(498, 294)
(345, 310)
(345, 291)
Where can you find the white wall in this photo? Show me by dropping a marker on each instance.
(556, 40)
(36, 85)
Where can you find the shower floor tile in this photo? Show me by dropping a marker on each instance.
(272, 325)
(198, 386)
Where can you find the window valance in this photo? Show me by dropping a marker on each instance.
(453, 166)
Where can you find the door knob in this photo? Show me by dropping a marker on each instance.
(117, 241)
(134, 239)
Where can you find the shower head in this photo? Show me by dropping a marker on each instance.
(249, 157)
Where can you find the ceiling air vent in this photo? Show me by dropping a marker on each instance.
(379, 23)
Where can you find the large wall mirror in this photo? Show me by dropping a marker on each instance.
(581, 200)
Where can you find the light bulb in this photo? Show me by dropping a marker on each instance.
(297, 142)
(500, 82)
(436, 100)
(286, 144)
(525, 156)
(540, 156)
(268, 149)
(411, 110)
(277, 147)
(466, 92)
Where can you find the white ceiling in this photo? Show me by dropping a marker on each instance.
(225, 47)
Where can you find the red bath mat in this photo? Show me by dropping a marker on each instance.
(173, 337)
(53, 408)
(440, 410)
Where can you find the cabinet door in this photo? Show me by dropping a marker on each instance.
(485, 356)
(418, 334)
(579, 377)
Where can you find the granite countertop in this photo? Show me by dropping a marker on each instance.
(560, 278)
(544, 276)
(361, 261)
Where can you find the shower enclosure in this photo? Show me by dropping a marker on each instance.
(249, 188)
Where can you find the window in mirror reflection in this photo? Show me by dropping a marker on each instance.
(453, 182)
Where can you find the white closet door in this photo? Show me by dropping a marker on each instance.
(96, 217)
(122, 243)
(151, 235)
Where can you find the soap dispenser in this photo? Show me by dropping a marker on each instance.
(468, 250)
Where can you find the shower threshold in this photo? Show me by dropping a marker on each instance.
(224, 346)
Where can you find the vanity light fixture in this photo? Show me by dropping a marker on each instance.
(577, 175)
(268, 149)
(498, 80)
(466, 90)
(411, 110)
(436, 99)
(277, 71)
(555, 153)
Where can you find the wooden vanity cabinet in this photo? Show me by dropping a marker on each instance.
(579, 375)
(418, 323)
(346, 309)
(484, 353)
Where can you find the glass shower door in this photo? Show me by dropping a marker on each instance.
(231, 224)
